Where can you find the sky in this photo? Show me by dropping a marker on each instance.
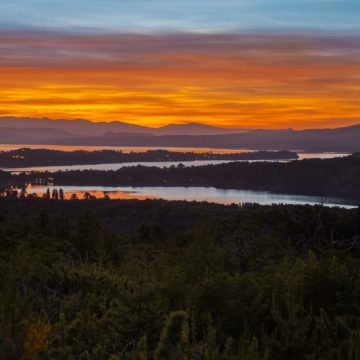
(231, 63)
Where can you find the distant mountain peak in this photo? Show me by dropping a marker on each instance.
(83, 132)
(92, 128)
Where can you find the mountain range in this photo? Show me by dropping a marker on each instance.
(89, 128)
(83, 132)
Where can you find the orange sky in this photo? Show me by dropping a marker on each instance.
(268, 81)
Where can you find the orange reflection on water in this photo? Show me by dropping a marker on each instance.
(89, 195)
(125, 149)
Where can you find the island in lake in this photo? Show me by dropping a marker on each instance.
(338, 177)
(26, 157)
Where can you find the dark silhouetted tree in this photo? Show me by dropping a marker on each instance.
(61, 194)
(55, 194)
(47, 195)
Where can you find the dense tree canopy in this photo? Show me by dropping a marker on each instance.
(174, 280)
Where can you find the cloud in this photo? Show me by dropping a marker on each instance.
(224, 79)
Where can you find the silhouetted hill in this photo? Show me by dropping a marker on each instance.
(193, 129)
(76, 126)
(345, 139)
(31, 135)
(340, 139)
(88, 128)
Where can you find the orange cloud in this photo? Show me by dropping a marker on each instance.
(232, 80)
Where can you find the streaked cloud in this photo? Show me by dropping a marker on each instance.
(258, 80)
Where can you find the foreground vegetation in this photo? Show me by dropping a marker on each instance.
(175, 280)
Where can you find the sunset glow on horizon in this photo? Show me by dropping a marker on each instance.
(229, 80)
(270, 64)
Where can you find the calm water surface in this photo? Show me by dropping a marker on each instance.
(208, 194)
(125, 149)
(116, 166)
(161, 164)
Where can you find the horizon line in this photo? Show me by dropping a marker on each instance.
(2, 117)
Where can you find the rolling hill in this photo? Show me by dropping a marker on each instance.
(89, 128)
(83, 132)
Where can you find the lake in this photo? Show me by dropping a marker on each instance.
(117, 166)
(208, 194)
(125, 149)
(162, 164)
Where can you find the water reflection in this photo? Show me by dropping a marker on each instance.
(125, 149)
(208, 194)
(117, 166)
(161, 164)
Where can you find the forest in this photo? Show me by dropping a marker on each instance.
(26, 157)
(339, 177)
(158, 280)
